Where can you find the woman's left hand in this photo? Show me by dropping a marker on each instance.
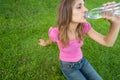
(112, 19)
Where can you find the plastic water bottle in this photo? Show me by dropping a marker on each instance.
(111, 10)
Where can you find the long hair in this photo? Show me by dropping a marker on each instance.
(64, 19)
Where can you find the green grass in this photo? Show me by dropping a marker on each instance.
(23, 22)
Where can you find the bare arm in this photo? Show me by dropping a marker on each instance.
(111, 37)
(113, 33)
(107, 40)
(45, 43)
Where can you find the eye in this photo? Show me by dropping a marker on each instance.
(79, 7)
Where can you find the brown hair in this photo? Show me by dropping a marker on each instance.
(64, 19)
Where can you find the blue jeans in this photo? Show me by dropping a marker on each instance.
(81, 70)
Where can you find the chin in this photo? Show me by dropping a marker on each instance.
(83, 21)
(80, 21)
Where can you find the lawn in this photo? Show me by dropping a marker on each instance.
(23, 22)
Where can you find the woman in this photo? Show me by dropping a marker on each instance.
(69, 36)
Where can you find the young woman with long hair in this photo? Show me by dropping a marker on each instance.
(69, 36)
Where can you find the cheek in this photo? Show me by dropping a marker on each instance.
(76, 17)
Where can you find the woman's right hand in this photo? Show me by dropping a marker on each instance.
(42, 42)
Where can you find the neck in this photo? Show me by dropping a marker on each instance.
(73, 26)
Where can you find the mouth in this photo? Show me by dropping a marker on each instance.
(85, 15)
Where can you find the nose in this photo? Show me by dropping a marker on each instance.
(85, 9)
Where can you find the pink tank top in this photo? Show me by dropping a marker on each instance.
(72, 52)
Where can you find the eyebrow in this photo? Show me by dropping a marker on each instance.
(79, 4)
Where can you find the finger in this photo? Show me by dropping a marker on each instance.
(109, 3)
(106, 4)
(41, 40)
(113, 2)
(107, 18)
(41, 44)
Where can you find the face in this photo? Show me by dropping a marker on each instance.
(78, 11)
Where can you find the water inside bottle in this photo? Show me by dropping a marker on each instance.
(94, 14)
(117, 12)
